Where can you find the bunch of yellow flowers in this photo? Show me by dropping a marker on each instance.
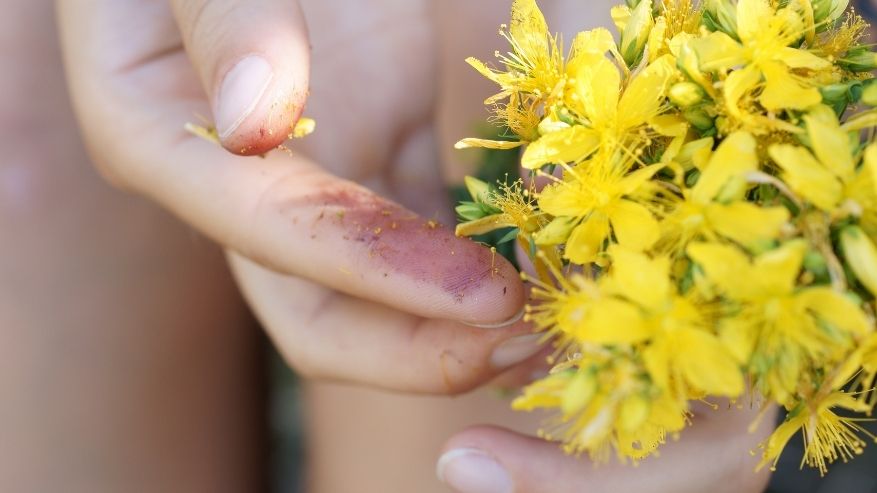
(701, 218)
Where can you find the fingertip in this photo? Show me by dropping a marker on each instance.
(497, 460)
(486, 289)
(254, 61)
(257, 106)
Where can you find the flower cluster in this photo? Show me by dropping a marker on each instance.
(701, 216)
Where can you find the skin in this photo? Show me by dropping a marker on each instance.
(314, 279)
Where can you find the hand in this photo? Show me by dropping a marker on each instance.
(712, 455)
(350, 285)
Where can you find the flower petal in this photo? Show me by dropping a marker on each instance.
(783, 90)
(778, 269)
(563, 146)
(596, 91)
(751, 15)
(839, 311)
(734, 157)
(745, 222)
(637, 277)
(645, 94)
(586, 241)
(830, 144)
(706, 364)
(797, 58)
(634, 226)
(807, 176)
(738, 83)
(613, 321)
(726, 267)
(718, 52)
(528, 27)
(488, 144)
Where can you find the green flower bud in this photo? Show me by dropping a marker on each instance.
(721, 15)
(478, 190)
(860, 59)
(869, 95)
(699, 118)
(635, 25)
(686, 94)
(826, 12)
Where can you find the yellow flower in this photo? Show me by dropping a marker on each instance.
(715, 206)
(827, 436)
(713, 223)
(676, 17)
(509, 206)
(610, 117)
(607, 200)
(770, 64)
(827, 175)
(775, 328)
(535, 65)
(640, 304)
(605, 403)
(534, 70)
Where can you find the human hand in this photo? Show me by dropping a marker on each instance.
(351, 286)
(712, 455)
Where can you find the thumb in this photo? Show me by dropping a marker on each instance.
(486, 459)
(253, 60)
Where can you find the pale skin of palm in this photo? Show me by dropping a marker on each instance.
(129, 359)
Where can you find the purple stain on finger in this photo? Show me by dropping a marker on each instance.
(403, 243)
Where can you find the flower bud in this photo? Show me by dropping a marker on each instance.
(699, 118)
(721, 15)
(478, 190)
(635, 26)
(839, 96)
(579, 392)
(869, 95)
(860, 59)
(685, 94)
(827, 11)
(861, 255)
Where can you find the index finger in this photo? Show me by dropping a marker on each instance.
(285, 213)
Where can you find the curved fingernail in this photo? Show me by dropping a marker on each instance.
(240, 92)
(469, 470)
(516, 350)
(512, 321)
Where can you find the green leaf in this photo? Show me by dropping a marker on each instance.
(511, 235)
(470, 211)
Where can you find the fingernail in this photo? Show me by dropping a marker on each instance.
(240, 92)
(469, 470)
(516, 350)
(512, 321)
